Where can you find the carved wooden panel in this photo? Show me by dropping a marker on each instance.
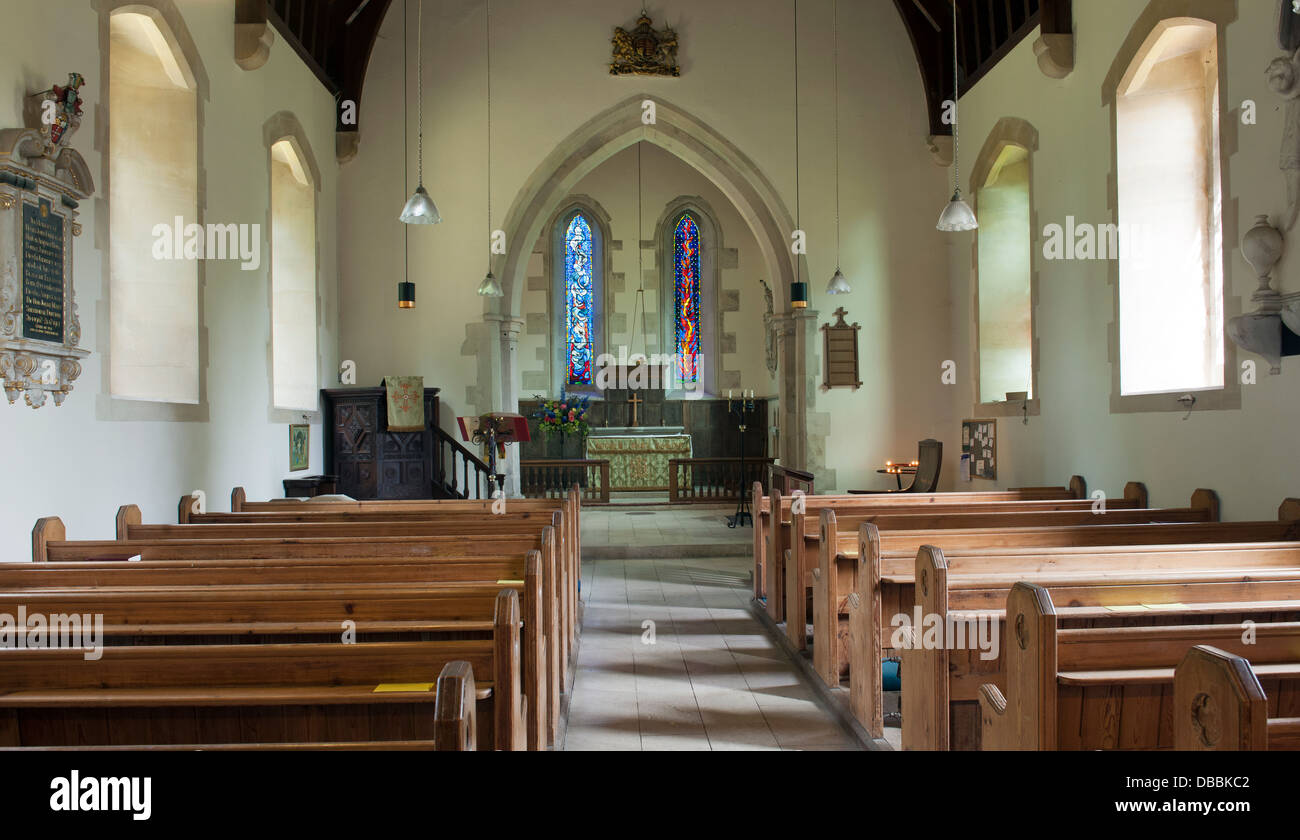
(370, 461)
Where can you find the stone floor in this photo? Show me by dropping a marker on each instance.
(702, 675)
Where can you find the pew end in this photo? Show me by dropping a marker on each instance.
(48, 529)
(1028, 721)
(127, 515)
(507, 692)
(866, 697)
(237, 499)
(1219, 703)
(1078, 487)
(1289, 510)
(455, 718)
(183, 508)
(1203, 499)
(926, 695)
(1136, 492)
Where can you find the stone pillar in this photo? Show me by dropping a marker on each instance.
(789, 449)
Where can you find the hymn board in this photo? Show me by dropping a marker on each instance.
(42, 181)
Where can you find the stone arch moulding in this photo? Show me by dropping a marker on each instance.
(676, 131)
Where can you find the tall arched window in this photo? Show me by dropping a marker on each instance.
(689, 240)
(579, 297)
(153, 204)
(686, 294)
(1167, 159)
(293, 279)
(1006, 340)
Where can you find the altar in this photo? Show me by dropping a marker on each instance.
(638, 456)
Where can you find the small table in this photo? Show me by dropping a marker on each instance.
(898, 472)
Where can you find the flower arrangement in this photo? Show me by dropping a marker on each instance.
(566, 415)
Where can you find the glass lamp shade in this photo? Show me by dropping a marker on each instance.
(957, 216)
(838, 285)
(490, 287)
(420, 209)
(406, 295)
(799, 295)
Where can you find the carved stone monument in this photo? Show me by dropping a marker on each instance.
(42, 182)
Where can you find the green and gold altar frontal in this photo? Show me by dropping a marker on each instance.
(638, 462)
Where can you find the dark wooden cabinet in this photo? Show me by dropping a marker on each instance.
(370, 461)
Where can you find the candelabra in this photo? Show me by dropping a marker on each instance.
(741, 409)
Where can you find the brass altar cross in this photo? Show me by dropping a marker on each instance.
(634, 401)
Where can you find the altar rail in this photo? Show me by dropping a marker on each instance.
(552, 479)
(705, 480)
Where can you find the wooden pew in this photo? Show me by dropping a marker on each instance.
(476, 519)
(1105, 688)
(769, 543)
(455, 726)
(190, 611)
(1220, 704)
(478, 526)
(786, 538)
(225, 694)
(941, 684)
(333, 561)
(570, 507)
(886, 587)
(819, 566)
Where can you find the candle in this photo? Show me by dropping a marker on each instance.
(728, 395)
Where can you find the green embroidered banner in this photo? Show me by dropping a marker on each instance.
(405, 403)
(638, 462)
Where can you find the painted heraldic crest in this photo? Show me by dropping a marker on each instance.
(644, 51)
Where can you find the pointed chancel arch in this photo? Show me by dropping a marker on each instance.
(705, 150)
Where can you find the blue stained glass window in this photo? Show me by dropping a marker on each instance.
(686, 275)
(579, 297)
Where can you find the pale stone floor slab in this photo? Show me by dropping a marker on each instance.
(711, 680)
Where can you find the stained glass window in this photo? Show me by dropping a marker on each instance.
(579, 297)
(686, 274)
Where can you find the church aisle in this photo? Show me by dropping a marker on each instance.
(711, 679)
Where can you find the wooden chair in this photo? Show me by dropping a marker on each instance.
(929, 462)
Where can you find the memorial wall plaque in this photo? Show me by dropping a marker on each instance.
(42, 182)
(42, 272)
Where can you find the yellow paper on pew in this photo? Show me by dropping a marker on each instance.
(1165, 606)
(384, 688)
(510, 583)
(1128, 608)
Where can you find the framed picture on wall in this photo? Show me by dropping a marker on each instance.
(299, 446)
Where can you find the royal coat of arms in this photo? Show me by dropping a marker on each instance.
(644, 51)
